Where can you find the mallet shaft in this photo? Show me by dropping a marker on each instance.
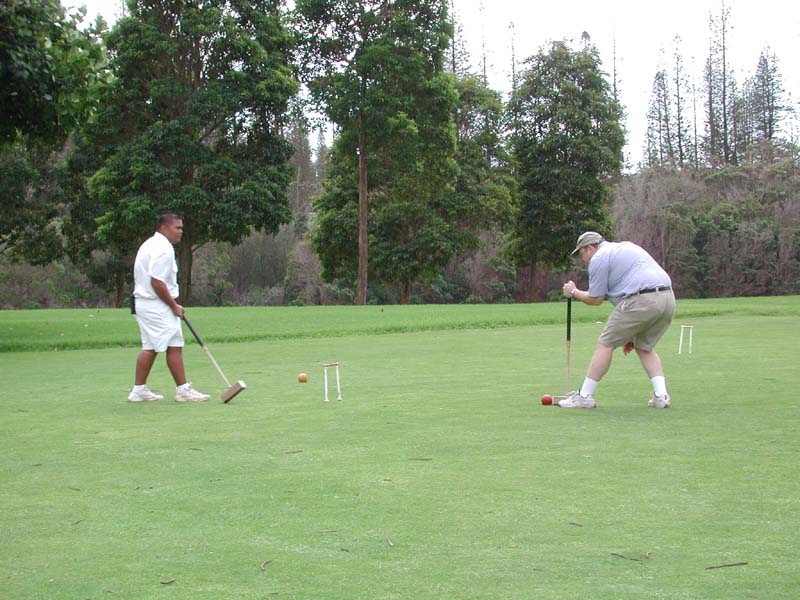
(569, 338)
(219, 370)
(208, 352)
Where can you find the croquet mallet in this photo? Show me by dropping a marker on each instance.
(232, 389)
(556, 399)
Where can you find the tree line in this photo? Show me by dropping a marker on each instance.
(435, 189)
(719, 121)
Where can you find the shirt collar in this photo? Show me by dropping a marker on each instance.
(160, 236)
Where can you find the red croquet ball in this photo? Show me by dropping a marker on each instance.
(547, 399)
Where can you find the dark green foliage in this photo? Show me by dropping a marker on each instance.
(376, 69)
(336, 225)
(567, 141)
(27, 229)
(50, 71)
(732, 232)
(485, 194)
(51, 74)
(191, 126)
(485, 186)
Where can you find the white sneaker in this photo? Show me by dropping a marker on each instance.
(575, 400)
(144, 395)
(187, 394)
(659, 401)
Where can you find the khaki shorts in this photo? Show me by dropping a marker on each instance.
(642, 319)
(159, 327)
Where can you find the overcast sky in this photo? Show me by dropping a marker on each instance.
(643, 33)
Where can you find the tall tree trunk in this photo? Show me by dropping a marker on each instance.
(533, 283)
(119, 289)
(405, 292)
(526, 276)
(363, 205)
(185, 256)
(713, 154)
(726, 135)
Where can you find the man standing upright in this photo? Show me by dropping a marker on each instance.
(644, 306)
(155, 274)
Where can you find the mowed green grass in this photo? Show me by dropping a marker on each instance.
(440, 475)
(53, 329)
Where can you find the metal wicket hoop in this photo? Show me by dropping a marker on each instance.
(325, 368)
(690, 329)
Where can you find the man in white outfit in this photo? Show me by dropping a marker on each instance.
(644, 306)
(155, 274)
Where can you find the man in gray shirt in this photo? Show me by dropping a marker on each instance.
(644, 306)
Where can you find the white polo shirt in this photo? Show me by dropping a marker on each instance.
(155, 258)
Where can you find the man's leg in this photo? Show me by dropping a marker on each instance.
(175, 364)
(598, 366)
(615, 333)
(651, 362)
(184, 391)
(144, 362)
(601, 361)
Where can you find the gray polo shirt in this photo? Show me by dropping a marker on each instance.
(619, 269)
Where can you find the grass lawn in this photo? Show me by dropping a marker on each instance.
(439, 476)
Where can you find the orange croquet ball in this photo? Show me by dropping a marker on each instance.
(302, 378)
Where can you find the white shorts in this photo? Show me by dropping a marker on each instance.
(159, 327)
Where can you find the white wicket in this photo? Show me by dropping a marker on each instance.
(691, 338)
(338, 380)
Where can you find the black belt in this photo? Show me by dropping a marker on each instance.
(660, 288)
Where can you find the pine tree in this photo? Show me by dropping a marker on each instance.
(720, 94)
(660, 147)
(768, 97)
(681, 121)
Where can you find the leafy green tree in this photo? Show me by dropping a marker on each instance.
(25, 221)
(567, 141)
(337, 219)
(485, 184)
(50, 69)
(51, 76)
(192, 125)
(484, 189)
(376, 70)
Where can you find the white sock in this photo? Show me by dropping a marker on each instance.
(589, 386)
(659, 385)
(140, 388)
(183, 386)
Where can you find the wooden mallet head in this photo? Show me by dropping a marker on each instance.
(237, 387)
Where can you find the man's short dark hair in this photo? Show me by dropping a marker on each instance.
(166, 219)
